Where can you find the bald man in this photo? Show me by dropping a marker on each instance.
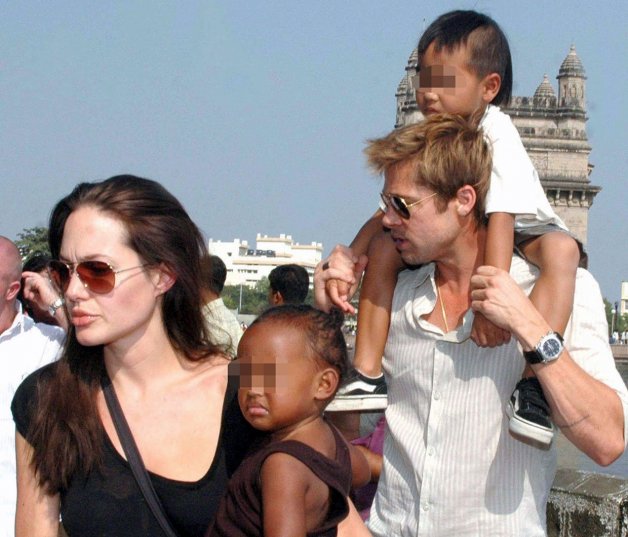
(24, 347)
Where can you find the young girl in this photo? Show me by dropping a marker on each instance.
(296, 483)
(465, 68)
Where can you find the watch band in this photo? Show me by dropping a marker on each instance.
(52, 309)
(545, 351)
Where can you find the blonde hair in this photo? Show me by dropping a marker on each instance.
(447, 152)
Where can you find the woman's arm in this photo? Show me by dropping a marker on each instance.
(37, 512)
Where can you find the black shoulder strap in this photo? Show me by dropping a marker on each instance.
(133, 456)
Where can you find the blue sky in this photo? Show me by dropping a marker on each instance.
(255, 114)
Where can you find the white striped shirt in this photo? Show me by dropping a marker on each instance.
(450, 465)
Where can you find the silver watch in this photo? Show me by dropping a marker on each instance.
(52, 309)
(548, 349)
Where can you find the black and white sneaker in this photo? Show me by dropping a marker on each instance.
(360, 393)
(529, 412)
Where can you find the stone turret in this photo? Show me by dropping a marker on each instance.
(571, 83)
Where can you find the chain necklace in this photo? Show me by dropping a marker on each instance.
(442, 306)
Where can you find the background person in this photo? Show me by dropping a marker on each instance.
(289, 284)
(24, 346)
(223, 326)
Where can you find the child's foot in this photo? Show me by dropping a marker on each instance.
(360, 393)
(529, 412)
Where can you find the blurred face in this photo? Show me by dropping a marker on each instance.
(131, 309)
(446, 85)
(426, 234)
(277, 378)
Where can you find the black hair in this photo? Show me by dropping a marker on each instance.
(488, 47)
(323, 332)
(214, 273)
(291, 281)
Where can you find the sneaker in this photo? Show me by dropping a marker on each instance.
(360, 393)
(529, 412)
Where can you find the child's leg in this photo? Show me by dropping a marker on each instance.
(376, 295)
(557, 255)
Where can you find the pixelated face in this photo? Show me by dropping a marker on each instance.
(277, 377)
(445, 84)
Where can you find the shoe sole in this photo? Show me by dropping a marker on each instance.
(527, 429)
(356, 403)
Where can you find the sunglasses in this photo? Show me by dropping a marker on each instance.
(400, 205)
(97, 276)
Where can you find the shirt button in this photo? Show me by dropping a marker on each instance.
(426, 506)
(436, 396)
(430, 451)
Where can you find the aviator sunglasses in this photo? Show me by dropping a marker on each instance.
(400, 205)
(97, 276)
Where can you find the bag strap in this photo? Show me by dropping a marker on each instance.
(133, 456)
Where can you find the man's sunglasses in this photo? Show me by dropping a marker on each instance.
(400, 205)
(97, 276)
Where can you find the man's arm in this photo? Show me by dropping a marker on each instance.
(589, 412)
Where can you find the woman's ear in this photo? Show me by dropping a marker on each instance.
(466, 199)
(328, 380)
(165, 278)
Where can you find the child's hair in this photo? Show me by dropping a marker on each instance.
(323, 332)
(488, 47)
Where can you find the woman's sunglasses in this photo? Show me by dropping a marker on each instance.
(97, 276)
(400, 205)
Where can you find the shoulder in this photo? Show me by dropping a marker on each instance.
(496, 124)
(25, 400)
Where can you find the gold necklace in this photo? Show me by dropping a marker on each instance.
(442, 306)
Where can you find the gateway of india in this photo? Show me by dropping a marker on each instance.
(553, 132)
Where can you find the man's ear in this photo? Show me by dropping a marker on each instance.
(328, 380)
(276, 298)
(12, 291)
(466, 199)
(165, 278)
(491, 86)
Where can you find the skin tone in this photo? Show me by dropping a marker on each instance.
(173, 406)
(10, 266)
(40, 294)
(284, 389)
(588, 412)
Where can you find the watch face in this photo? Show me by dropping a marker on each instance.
(551, 348)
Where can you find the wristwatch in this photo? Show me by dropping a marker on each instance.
(548, 349)
(52, 309)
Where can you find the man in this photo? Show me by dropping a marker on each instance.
(450, 465)
(223, 326)
(289, 284)
(24, 347)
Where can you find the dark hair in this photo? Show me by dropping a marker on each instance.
(66, 431)
(488, 47)
(35, 263)
(323, 332)
(291, 281)
(214, 273)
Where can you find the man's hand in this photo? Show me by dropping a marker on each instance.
(337, 278)
(39, 289)
(496, 295)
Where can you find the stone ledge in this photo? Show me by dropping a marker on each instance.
(586, 504)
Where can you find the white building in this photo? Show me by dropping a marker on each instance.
(247, 266)
(623, 305)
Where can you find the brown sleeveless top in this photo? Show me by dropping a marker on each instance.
(240, 512)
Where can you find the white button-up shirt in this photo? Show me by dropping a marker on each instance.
(24, 347)
(450, 464)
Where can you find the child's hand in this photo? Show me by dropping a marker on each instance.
(486, 334)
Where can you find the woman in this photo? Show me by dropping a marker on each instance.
(128, 266)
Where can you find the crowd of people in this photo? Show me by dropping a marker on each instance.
(134, 404)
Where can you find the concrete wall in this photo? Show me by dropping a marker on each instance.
(585, 504)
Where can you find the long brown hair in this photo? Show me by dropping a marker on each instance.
(66, 432)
